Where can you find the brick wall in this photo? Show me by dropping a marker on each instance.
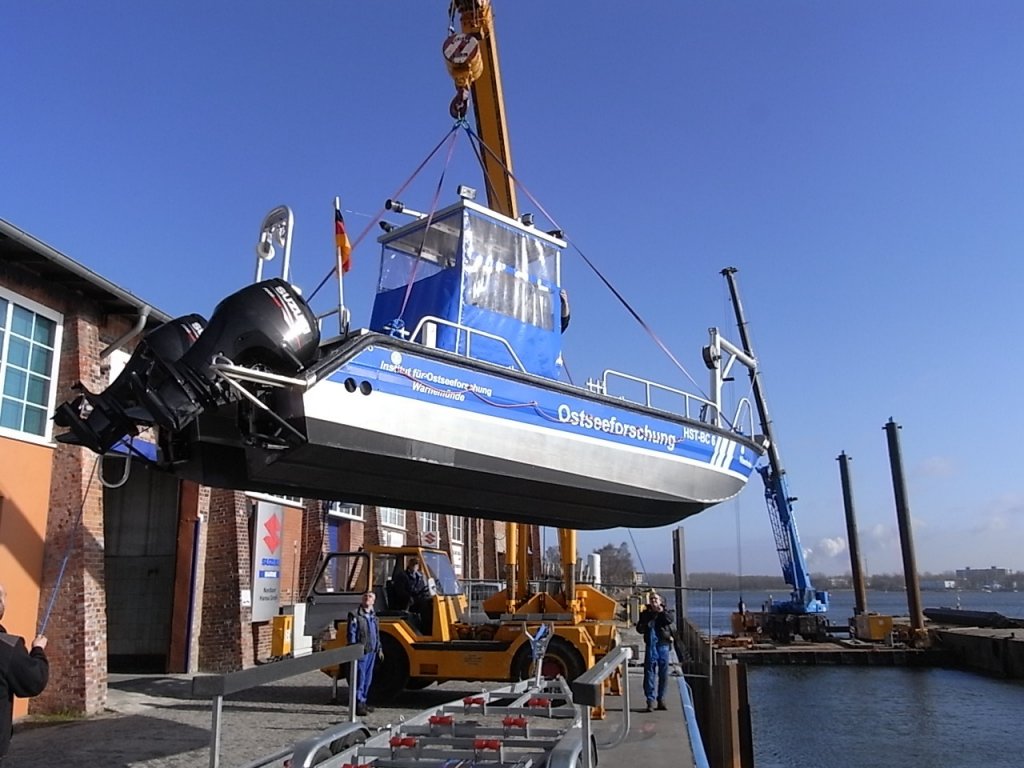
(77, 623)
(226, 640)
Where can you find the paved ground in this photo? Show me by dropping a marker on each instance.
(152, 721)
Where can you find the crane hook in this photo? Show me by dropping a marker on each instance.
(460, 104)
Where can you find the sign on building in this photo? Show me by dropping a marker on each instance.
(268, 534)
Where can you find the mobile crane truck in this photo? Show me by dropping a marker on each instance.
(437, 643)
(804, 613)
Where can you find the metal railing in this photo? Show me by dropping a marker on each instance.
(588, 692)
(216, 687)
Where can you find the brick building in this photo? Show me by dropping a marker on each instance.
(132, 569)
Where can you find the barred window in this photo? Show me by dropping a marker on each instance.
(29, 342)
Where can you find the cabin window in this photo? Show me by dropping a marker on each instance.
(419, 255)
(344, 572)
(29, 342)
(511, 273)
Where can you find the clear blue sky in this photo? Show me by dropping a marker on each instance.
(861, 163)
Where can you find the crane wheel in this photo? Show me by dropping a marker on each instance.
(390, 674)
(561, 658)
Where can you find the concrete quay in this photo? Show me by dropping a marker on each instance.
(152, 721)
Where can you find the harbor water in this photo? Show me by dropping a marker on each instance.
(853, 717)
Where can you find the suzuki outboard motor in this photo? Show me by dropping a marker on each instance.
(100, 421)
(171, 378)
(266, 325)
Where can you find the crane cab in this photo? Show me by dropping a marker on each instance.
(476, 283)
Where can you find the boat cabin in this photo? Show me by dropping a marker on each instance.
(474, 282)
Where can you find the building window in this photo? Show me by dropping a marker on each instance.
(392, 517)
(29, 341)
(429, 523)
(346, 510)
(273, 498)
(458, 528)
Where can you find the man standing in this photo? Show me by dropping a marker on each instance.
(22, 673)
(363, 630)
(656, 626)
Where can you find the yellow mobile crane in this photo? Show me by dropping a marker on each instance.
(437, 643)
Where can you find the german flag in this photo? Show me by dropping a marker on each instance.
(341, 241)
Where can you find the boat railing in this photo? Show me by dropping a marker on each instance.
(693, 406)
(650, 390)
(425, 333)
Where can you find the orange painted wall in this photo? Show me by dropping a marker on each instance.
(24, 503)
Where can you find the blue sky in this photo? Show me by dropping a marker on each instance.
(860, 163)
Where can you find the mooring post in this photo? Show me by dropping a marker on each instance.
(859, 588)
(899, 487)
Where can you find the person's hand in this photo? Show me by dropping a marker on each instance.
(39, 642)
(380, 654)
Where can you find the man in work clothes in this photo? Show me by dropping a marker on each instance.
(363, 630)
(22, 673)
(656, 626)
(413, 593)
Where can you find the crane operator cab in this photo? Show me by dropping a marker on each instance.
(474, 282)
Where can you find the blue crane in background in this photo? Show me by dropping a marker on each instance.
(804, 612)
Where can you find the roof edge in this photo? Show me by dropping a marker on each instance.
(51, 253)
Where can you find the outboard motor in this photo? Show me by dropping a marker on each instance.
(171, 378)
(100, 421)
(266, 325)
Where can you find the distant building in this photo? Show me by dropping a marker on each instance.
(938, 584)
(983, 578)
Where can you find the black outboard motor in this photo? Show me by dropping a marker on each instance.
(171, 378)
(266, 325)
(100, 421)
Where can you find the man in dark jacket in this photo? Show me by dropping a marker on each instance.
(23, 673)
(413, 593)
(657, 627)
(410, 587)
(364, 630)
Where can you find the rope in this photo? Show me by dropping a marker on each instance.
(452, 135)
(636, 549)
(67, 550)
(594, 269)
(380, 213)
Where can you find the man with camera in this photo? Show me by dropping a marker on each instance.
(657, 625)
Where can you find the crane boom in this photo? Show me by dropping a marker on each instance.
(482, 77)
(804, 599)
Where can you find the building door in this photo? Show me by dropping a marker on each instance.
(140, 521)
